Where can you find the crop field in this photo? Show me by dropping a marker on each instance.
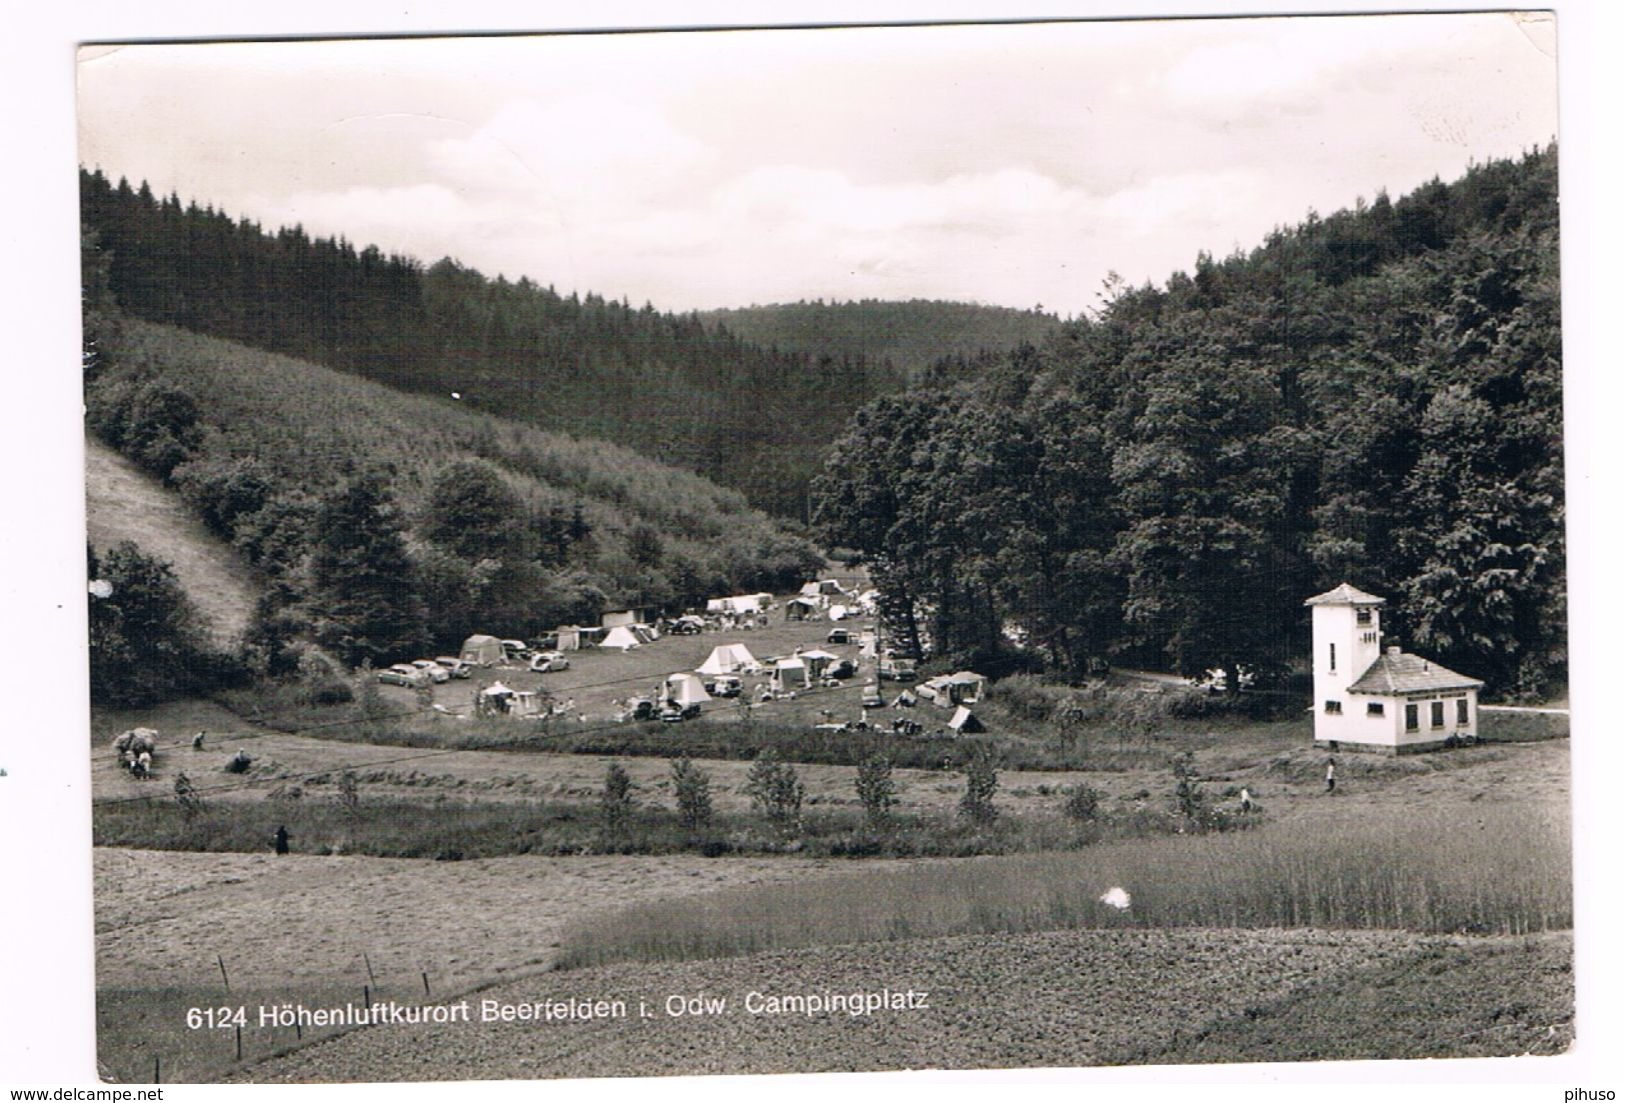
(174, 929)
(1072, 998)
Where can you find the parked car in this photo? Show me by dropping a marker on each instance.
(723, 685)
(515, 651)
(686, 626)
(841, 668)
(544, 661)
(455, 666)
(841, 635)
(549, 642)
(872, 698)
(898, 670)
(672, 713)
(641, 708)
(434, 670)
(404, 674)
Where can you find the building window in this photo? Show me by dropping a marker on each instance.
(1362, 617)
(1374, 708)
(1436, 709)
(1411, 721)
(1333, 647)
(1334, 708)
(1461, 712)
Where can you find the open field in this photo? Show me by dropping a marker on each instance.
(1058, 998)
(321, 928)
(122, 502)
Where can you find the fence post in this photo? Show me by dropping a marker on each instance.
(239, 1043)
(370, 975)
(425, 982)
(157, 1070)
(222, 963)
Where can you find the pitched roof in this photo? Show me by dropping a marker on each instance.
(1395, 672)
(1345, 594)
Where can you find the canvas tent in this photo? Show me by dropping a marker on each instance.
(621, 638)
(624, 617)
(816, 660)
(788, 674)
(729, 658)
(481, 650)
(569, 638)
(799, 608)
(739, 604)
(685, 690)
(964, 721)
(967, 687)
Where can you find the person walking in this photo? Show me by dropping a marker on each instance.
(1331, 774)
(281, 839)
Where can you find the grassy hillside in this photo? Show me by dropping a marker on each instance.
(913, 335)
(391, 522)
(122, 502)
(311, 424)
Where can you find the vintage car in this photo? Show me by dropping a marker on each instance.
(404, 674)
(434, 670)
(455, 666)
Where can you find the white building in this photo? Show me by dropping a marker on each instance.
(1375, 698)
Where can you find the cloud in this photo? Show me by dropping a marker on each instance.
(574, 151)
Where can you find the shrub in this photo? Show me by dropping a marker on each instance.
(1082, 804)
(616, 800)
(981, 782)
(877, 792)
(693, 789)
(775, 790)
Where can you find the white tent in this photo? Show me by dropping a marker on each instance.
(620, 637)
(965, 721)
(789, 674)
(686, 689)
(730, 658)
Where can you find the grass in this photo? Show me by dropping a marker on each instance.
(1504, 870)
(452, 830)
(125, 503)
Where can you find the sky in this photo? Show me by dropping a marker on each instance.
(1011, 164)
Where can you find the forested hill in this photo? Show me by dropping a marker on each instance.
(1372, 397)
(914, 335)
(663, 384)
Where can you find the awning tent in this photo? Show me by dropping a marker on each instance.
(729, 658)
(481, 650)
(799, 608)
(790, 674)
(816, 660)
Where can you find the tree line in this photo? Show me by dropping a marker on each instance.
(667, 385)
(1374, 396)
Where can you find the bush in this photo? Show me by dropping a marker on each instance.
(775, 790)
(981, 782)
(145, 641)
(877, 792)
(1082, 804)
(616, 800)
(693, 789)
